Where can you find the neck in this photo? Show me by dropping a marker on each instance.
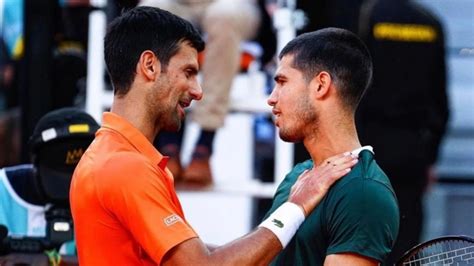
(332, 138)
(133, 110)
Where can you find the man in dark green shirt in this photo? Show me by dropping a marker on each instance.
(320, 80)
(359, 215)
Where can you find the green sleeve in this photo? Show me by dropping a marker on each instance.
(362, 217)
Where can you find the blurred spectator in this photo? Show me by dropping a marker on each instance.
(330, 13)
(70, 53)
(225, 23)
(12, 51)
(404, 114)
(6, 76)
(10, 141)
(69, 67)
(30, 192)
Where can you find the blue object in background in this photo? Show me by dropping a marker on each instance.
(12, 27)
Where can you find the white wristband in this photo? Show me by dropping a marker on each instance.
(284, 222)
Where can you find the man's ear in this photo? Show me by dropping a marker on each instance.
(321, 84)
(149, 65)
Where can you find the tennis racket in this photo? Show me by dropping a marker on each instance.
(446, 250)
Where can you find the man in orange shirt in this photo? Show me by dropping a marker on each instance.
(123, 202)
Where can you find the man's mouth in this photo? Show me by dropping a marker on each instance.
(184, 104)
(276, 115)
(276, 112)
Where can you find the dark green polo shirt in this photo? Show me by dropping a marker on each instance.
(358, 215)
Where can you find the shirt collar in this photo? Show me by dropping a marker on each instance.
(367, 147)
(136, 138)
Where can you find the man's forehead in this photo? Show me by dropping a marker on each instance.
(287, 60)
(285, 64)
(187, 49)
(186, 52)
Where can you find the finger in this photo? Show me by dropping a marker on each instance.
(303, 175)
(334, 176)
(344, 159)
(344, 165)
(339, 171)
(335, 158)
(300, 179)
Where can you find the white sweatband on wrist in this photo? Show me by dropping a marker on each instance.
(284, 222)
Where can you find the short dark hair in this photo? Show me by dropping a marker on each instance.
(339, 52)
(144, 28)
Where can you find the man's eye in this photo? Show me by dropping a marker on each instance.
(190, 73)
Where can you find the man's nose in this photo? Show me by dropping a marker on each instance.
(196, 91)
(272, 99)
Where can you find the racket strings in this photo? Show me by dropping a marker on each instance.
(446, 252)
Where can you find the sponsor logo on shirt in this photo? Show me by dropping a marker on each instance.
(172, 219)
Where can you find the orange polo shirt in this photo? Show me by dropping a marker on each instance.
(123, 201)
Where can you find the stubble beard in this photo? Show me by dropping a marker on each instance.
(166, 115)
(171, 119)
(304, 122)
(176, 122)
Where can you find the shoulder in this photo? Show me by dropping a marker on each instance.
(362, 217)
(292, 176)
(283, 190)
(125, 168)
(298, 169)
(367, 192)
(128, 179)
(368, 172)
(364, 195)
(366, 186)
(113, 175)
(121, 161)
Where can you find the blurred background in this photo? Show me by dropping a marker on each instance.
(451, 200)
(51, 57)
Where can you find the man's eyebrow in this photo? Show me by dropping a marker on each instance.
(278, 77)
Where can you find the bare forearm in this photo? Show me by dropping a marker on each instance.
(349, 259)
(256, 248)
(263, 244)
